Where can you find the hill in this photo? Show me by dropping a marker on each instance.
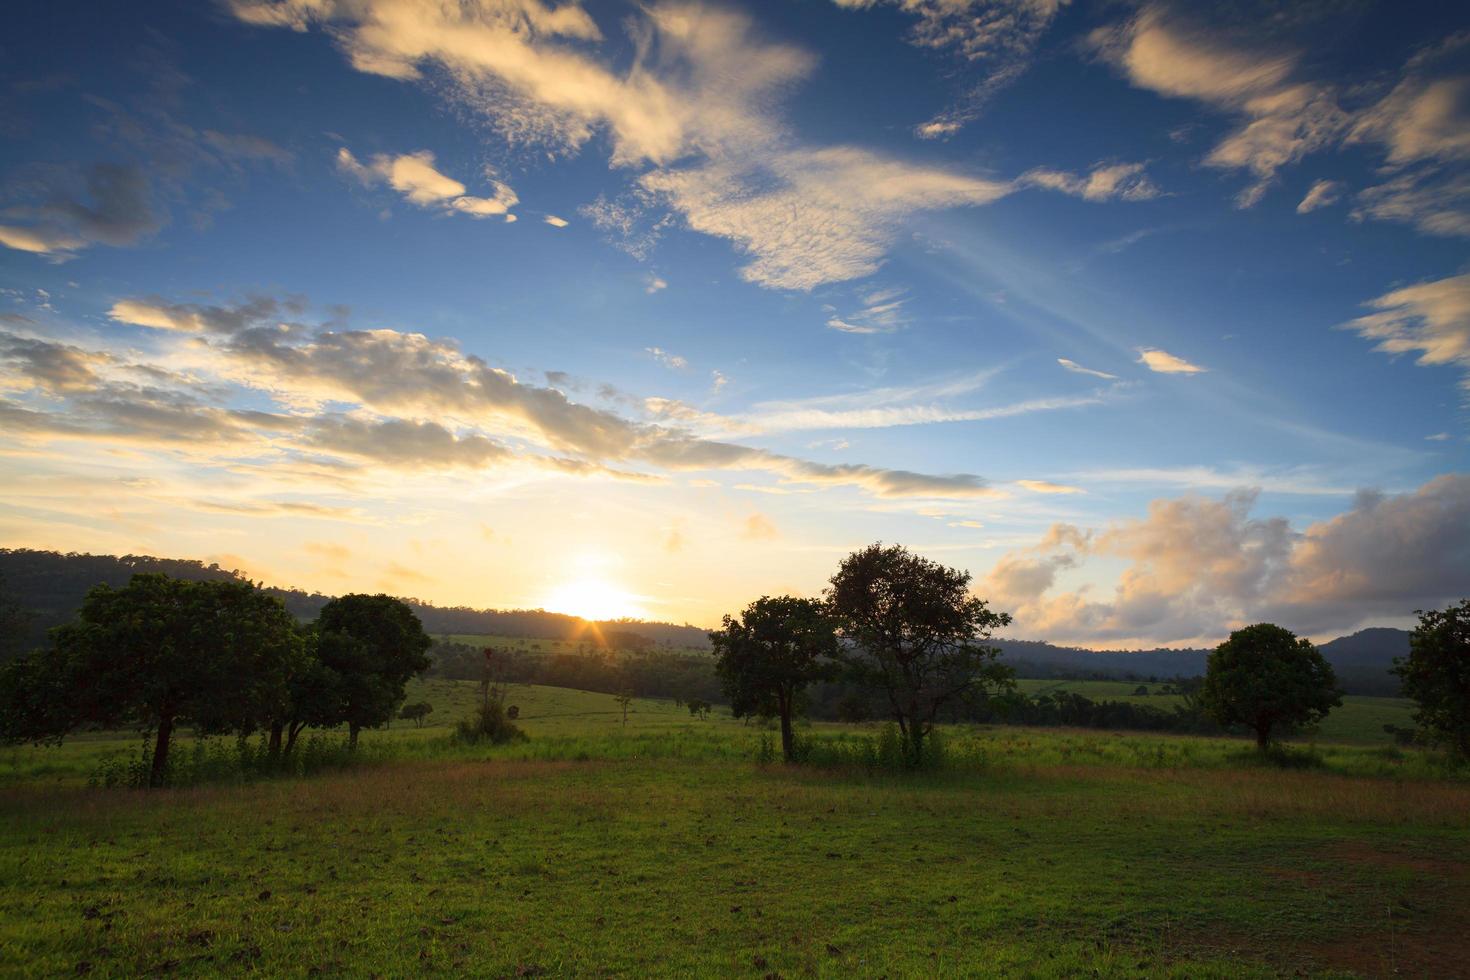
(50, 586)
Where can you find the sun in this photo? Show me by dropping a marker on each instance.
(593, 598)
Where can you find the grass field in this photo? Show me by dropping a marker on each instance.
(595, 850)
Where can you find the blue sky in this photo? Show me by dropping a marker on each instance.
(1155, 317)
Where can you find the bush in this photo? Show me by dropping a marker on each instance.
(490, 723)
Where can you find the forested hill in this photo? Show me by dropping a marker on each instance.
(49, 587)
(1362, 660)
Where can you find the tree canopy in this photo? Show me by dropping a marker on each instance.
(154, 654)
(1266, 678)
(1436, 675)
(916, 632)
(768, 655)
(369, 646)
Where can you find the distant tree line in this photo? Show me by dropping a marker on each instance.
(216, 656)
(48, 588)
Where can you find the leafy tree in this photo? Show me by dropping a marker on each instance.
(416, 713)
(370, 645)
(624, 699)
(1265, 677)
(15, 624)
(153, 655)
(1436, 674)
(767, 656)
(917, 634)
(699, 708)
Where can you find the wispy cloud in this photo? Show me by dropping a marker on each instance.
(1076, 368)
(1322, 194)
(1430, 319)
(414, 175)
(1162, 362)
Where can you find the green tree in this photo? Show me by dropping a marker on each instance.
(767, 656)
(370, 646)
(15, 624)
(416, 713)
(624, 698)
(1436, 675)
(699, 708)
(153, 655)
(916, 633)
(1265, 677)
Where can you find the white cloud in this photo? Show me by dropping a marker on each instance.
(1106, 182)
(653, 284)
(388, 377)
(668, 360)
(813, 216)
(414, 175)
(1162, 362)
(1076, 368)
(1431, 319)
(995, 37)
(1283, 115)
(1322, 193)
(555, 222)
(1198, 567)
(1046, 486)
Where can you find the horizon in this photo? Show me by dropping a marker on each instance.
(1155, 318)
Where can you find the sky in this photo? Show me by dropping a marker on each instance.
(1153, 316)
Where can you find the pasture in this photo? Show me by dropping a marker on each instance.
(593, 850)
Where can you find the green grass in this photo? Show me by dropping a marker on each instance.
(1359, 720)
(504, 867)
(595, 849)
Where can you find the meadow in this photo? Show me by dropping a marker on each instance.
(594, 849)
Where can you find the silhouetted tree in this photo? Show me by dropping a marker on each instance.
(15, 624)
(1436, 675)
(153, 655)
(371, 645)
(624, 699)
(768, 655)
(699, 708)
(1265, 677)
(416, 713)
(917, 634)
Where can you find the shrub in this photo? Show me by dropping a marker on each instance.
(490, 723)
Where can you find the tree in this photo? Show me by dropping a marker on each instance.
(916, 633)
(372, 645)
(416, 713)
(699, 708)
(1436, 675)
(766, 657)
(153, 655)
(1265, 677)
(15, 624)
(624, 698)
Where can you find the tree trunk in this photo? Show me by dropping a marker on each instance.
(352, 731)
(1263, 735)
(274, 748)
(788, 745)
(291, 736)
(159, 773)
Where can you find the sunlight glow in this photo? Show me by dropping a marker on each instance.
(594, 599)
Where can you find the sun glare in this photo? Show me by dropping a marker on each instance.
(593, 598)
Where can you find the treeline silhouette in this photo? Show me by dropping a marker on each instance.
(48, 587)
(44, 589)
(686, 678)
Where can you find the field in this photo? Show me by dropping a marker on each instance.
(595, 850)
